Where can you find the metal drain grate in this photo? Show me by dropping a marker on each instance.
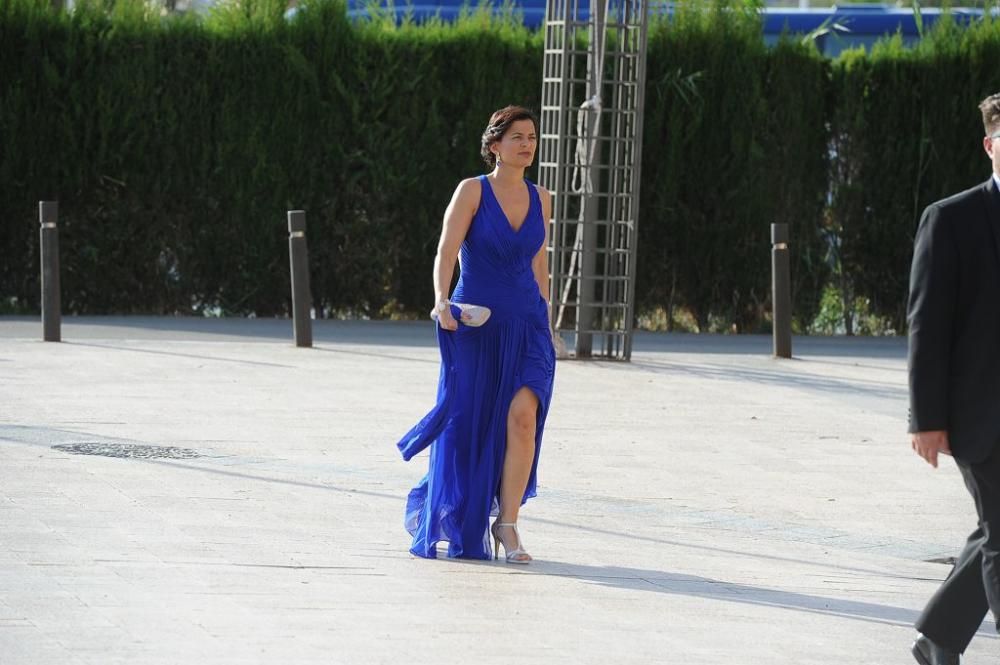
(127, 450)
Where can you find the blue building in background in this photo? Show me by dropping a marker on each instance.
(855, 25)
(845, 27)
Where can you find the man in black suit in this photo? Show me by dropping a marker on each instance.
(954, 359)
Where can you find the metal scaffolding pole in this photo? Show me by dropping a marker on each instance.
(590, 158)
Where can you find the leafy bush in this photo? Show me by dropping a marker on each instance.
(175, 146)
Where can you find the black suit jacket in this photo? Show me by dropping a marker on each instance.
(954, 322)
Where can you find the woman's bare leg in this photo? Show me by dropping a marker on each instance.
(521, 424)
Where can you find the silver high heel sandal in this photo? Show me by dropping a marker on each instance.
(517, 555)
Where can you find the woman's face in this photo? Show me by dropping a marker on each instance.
(517, 147)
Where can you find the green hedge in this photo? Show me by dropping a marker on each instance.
(907, 132)
(734, 140)
(176, 145)
(175, 149)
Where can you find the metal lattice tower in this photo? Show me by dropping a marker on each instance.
(590, 159)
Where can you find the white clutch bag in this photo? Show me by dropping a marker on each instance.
(471, 315)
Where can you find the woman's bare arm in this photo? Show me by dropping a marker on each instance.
(457, 219)
(540, 264)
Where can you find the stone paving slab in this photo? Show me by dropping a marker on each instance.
(702, 504)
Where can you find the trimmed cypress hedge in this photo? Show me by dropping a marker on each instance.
(734, 140)
(176, 145)
(175, 149)
(907, 132)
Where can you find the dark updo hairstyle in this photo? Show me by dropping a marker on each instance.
(500, 122)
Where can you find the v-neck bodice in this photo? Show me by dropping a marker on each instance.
(496, 258)
(488, 191)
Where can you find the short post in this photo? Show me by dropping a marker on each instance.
(48, 214)
(781, 291)
(301, 296)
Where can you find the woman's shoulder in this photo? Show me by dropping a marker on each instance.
(470, 186)
(538, 188)
(468, 192)
(544, 194)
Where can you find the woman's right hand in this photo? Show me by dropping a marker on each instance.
(445, 319)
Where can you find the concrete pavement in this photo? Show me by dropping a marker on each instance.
(702, 504)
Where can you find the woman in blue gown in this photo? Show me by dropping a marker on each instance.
(485, 430)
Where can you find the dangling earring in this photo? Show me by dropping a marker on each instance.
(499, 162)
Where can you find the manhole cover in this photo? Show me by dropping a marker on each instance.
(127, 450)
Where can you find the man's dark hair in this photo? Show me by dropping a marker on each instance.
(500, 122)
(991, 113)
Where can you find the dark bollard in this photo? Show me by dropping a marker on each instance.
(781, 291)
(301, 297)
(48, 213)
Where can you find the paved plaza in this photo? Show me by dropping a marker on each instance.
(201, 491)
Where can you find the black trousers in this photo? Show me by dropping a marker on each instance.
(956, 611)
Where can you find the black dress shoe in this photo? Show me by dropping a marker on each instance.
(928, 653)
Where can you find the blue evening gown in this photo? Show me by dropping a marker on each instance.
(481, 371)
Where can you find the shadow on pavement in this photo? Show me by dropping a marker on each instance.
(45, 437)
(853, 386)
(258, 363)
(380, 333)
(657, 581)
(420, 333)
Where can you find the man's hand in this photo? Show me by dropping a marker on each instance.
(929, 444)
